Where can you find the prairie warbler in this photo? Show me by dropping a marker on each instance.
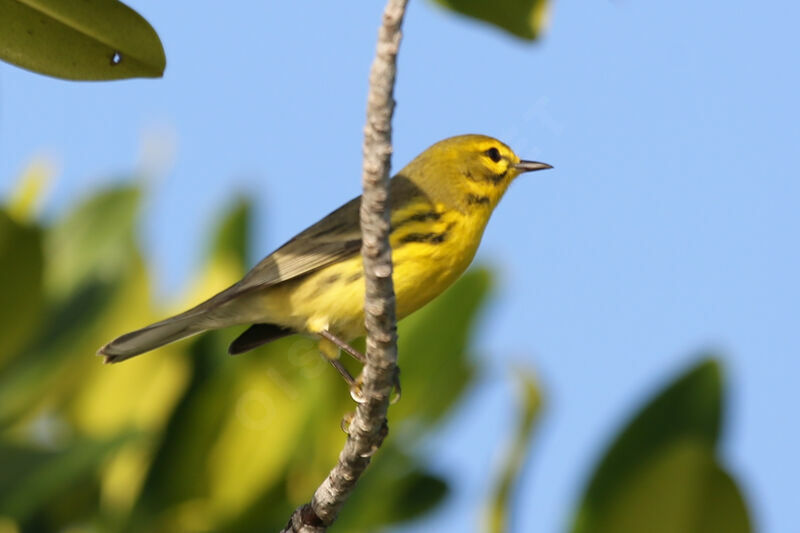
(313, 284)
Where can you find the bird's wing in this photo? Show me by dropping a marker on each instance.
(337, 236)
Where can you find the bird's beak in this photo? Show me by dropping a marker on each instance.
(529, 166)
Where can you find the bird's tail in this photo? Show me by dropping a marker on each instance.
(151, 337)
(211, 314)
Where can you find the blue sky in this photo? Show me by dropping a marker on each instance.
(668, 226)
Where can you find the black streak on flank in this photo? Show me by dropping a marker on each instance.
(433, 238)
(353, 277)
(424, 237)
(418, 217)
(476, 199)
(330, 280)
(422, 217)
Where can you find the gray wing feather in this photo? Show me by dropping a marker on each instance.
(337, 236)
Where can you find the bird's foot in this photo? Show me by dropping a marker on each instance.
(398, 392)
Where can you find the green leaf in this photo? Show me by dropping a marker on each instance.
(633, 469)
(681, 489)
(79, 40)
(96, 241)
(513, 462)
(32, 477)
(21, 262)
(434, 363)
(63, 330)
(523, 18)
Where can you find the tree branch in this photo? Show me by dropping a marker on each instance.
(368, 427)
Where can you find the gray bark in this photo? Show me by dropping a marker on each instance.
(368, 426)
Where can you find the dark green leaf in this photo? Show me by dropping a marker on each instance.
(523, 18)
(21, 264)
(415, 494)
(32, 477)
(79, 40)
(63, 330)
(687, 411)
(681, 489)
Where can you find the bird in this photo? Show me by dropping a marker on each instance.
(440, 204)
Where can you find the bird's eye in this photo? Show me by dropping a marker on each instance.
(493, 154)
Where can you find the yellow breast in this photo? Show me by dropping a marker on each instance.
(428, 260)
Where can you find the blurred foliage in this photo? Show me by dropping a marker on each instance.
(21, 297)
(188, 439)
(498, 513)
(86, 40)
(523, 18)
(662, 474)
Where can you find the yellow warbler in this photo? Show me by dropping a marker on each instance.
(313, 284)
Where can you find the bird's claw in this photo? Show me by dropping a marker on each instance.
(384, 431)
(398, 392)
(357, 389)
(347, 419)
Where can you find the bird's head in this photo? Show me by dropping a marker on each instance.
(468, 170)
